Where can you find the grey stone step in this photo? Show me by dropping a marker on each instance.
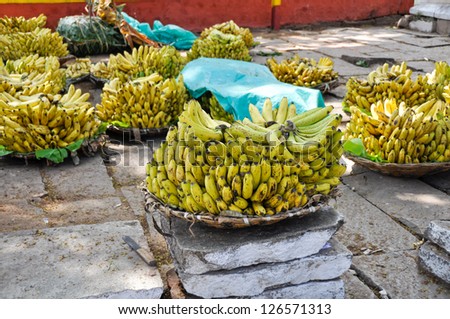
(197, 249)
(438, 232)
(87, 261)
(329, 263)
(435, 260)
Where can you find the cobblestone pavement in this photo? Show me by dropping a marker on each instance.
(385, 217)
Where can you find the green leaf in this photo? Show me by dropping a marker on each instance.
(56, 155)
(102, 128)
(75, 145)
(356, 147)
(4, 151)
(120, 124)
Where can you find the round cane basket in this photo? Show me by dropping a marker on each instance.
(148, 132)
(401, 170)
(231, 219)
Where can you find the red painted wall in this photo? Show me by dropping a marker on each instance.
(300, 12)
(195, 15)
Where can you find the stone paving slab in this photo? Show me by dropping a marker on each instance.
(20, 181)
(398, 273)
(327, 264)
(367, 228)
(86, 261)
(14, 214)
(440, 181)
(355, 288)
(86, 211)
(435, 260)
(135, 197)
(439, 233)
(411, 201)
(199, 249)
(89, 179)
(131, 158)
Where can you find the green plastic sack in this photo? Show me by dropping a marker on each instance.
(236, 84)
(90, 35)
(169, 34)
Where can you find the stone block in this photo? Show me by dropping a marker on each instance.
(329, 263)
(443, 27)
(198, 249)
(20, 182)
(435, 260)
(87, 261)
(330, 289)
(439, 233)
(427, 26)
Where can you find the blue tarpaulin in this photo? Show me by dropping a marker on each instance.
(236, 84)
(168, 34)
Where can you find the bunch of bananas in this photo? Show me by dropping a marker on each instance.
(388, 83)
(267, 165)
(220, 45)
(29, 64)
(303, 71)
(81, 67)
(217, 112)
(42, 121)
(44, 42)
(146, 102)
(20, 24)
(401, 134)
(142, 61)
(230, 27)
(32, 83)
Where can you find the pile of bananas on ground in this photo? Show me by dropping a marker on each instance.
(230, 27)
(29, 64)
(81, 67)
(142, 61)
(145, 102)
(389, 83)
(303, 71)
(17, 44)
(20, 24)
(43, 121)
(220, 45)
(217, 112)
(267, 165)
(31, 75)
(400, 134)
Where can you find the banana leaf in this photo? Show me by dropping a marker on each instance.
(90, 35)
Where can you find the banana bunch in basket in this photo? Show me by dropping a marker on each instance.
(274, 162)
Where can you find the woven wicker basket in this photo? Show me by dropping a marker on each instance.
(137, 132)
(230, 219)
(401, 170)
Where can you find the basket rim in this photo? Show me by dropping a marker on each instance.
(234, 219)
(142, 131)
(396, 169)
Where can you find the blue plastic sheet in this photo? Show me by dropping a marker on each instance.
(236, 84)
(169, 34)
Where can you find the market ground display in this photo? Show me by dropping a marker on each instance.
(115, 191)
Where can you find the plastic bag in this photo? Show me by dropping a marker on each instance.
(169, 34)
(236, 84)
